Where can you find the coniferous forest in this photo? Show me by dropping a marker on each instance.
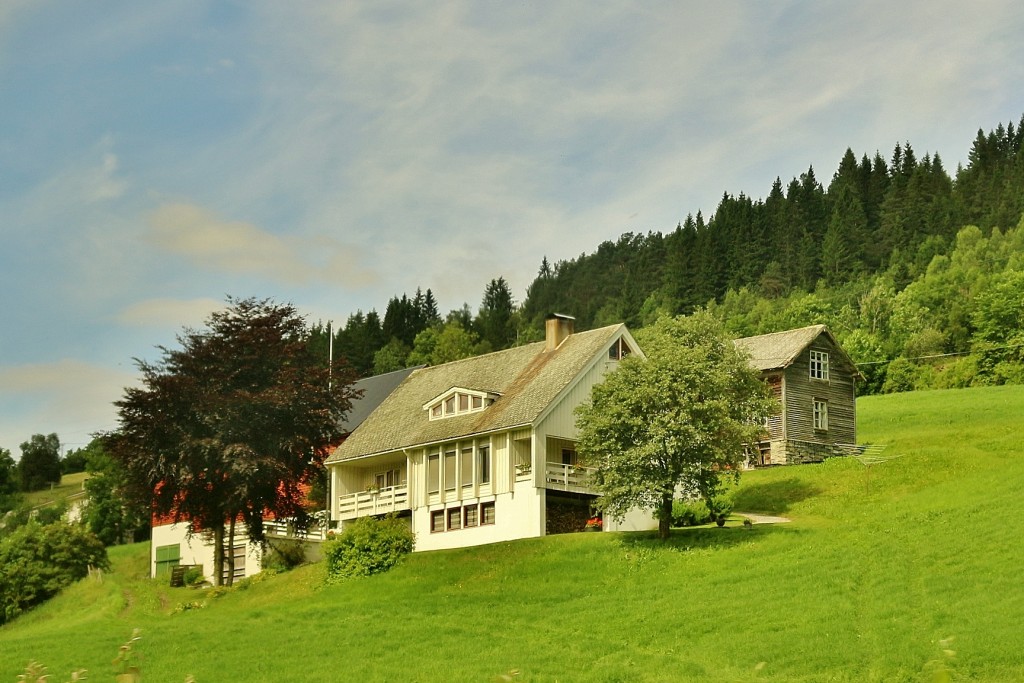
(918, 272)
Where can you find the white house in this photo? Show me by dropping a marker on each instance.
(483, 449)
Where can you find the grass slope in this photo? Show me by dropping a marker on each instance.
(867, 583)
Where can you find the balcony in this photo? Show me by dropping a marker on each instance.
(283, 528)
(380, 502)
(568, 477)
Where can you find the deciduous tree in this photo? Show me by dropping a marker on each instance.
(40, 462)
(234, 424)
(674, 421)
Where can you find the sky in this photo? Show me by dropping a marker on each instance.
(156, 158)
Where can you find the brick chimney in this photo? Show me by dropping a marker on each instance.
(556, 328)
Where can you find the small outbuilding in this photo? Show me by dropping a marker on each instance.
(814, 381)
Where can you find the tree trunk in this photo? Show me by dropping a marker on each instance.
(218, 555)
(231, 552)
(665, 516)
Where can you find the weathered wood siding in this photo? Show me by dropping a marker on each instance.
(801, 390)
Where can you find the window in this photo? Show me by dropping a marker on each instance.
(819, 365)
(167, 556)
(568, 456)
(433, 473)
(483, 456)
(487, 513)
(436, 521)
(239, 554)
(454, 519)
(384, 480)
(467, 466)
(450, 478)
(619, 350)
(820, 414)
(457, 402)
(470, 516)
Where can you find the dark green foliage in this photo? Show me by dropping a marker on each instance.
(234, 424)
(690, 513)
(111, 510)
(40, 462)
(9, 481)
(73, 461)
(284, 555)
(495, 321)
(367, 546)
(37, 561)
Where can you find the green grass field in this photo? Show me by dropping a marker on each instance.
(873, 580)
(70, 485)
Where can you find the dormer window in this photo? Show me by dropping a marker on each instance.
(458, 402)
(619, 349)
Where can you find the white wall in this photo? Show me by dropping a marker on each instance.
(198, 551)
(516, 515)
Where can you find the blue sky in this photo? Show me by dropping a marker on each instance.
(157, 157)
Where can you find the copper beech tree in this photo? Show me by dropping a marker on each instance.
(674, 422)
(232, 425)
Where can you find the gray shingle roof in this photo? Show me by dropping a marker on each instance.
(778, 350)
(526, 378)
(375, 389)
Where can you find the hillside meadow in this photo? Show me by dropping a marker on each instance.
(907, 571)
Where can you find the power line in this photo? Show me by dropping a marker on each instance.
(943, 355)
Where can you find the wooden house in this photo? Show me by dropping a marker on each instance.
(814, 381)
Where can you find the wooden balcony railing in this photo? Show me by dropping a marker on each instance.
(283, 528)
(568, 477)
(364, 503)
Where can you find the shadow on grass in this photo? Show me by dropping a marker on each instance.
(697, 538)
(773, 497)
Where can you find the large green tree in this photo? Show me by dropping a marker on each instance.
(109, 513)
(40, 462)
(234, 424)
(673, 422)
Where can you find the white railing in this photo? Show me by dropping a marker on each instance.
(285, 529)
(568, 477)
(390, 499)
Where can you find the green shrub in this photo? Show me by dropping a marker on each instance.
(193, 576)
(37, 561)
(284, 555)
(721, 507)
(367, 546)
(690, 513)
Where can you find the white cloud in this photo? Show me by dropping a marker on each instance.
(241, 247)
(70, 397)
(173, 313)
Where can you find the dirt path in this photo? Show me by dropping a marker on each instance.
(763, 519)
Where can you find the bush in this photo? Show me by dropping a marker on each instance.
(367, 546)
(284, 555)
(37, 561)
(690, 513)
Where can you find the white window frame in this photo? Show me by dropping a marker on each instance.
(819, 408)
(819, 365)
(457, 401)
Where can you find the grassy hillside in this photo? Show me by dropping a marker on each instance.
(70, 485)
(872, 581)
